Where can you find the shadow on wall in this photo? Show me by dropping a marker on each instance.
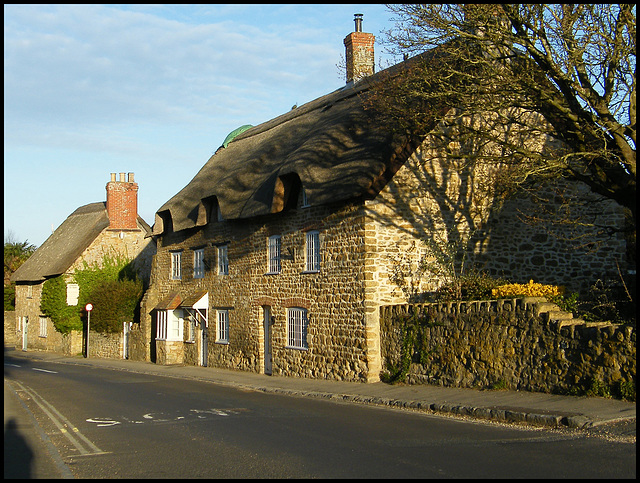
(470, 208)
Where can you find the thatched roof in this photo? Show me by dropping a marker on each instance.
(66, 243)
(331, 144)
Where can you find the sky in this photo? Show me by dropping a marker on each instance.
(152, 90)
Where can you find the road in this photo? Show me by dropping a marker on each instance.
(113, 424)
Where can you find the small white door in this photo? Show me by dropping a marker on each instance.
(267, 339)
(25, 323)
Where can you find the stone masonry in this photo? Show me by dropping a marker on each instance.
(524, 344)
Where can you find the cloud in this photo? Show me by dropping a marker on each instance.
(92, 65)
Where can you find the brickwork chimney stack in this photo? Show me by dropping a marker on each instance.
(359, 52)
(122, 203)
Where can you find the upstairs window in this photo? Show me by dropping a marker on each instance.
(274, 246)
(312, 251)
(176, 261)
(73, 292)
(305, 200)
(223, 260)
(198, 263)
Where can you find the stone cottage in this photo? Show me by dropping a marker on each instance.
(87, 235)
(277, 256)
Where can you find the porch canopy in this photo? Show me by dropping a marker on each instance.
(198, 305)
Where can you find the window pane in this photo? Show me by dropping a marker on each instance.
(313, 251)
(176, 274)
(223, 260)
(274, 254)
(223, 326)
(174, 324)
(161, 330)
(297, 328)
(198, 263)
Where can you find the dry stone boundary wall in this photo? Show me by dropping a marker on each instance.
(527, 344)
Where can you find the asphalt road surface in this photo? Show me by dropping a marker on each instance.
(114, 424)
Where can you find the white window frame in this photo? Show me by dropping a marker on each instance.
(43, 326)
(161, 324)
(312, 251)
(73, 292)
(198, 263)
(176, 265)
(223, 260)
(222, 326)
(297, 326)
(175, 325)
(274, 248)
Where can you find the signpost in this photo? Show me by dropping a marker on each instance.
(88, 308)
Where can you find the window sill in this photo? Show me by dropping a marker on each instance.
(272, 273)
(222, 342)
(304, 272)
(296, 348)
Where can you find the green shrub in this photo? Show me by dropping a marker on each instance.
(53, 304)
(471, 286)
(114, 302)
(111, 286)
(10, 297)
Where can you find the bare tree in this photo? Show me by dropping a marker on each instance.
(551, 89)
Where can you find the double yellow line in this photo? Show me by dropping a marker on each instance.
(77, 439)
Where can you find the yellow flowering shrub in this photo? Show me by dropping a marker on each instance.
(530, 289)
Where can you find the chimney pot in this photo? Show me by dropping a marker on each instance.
(130, 177)
(113, 176)
(122, 177)
(357, 18)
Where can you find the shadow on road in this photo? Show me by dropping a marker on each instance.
(18, 456)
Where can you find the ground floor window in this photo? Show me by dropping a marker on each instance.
(169, 325)
(222, 326)
(192, 327)
(43, 326)
(297, 322)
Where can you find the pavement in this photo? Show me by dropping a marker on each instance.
(504, 406)
(29, 453)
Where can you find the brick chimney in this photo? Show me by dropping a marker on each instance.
(359, 52)
(122, 203)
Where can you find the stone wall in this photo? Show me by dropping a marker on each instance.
(333, 296)
(109, 346)
(525, 344)
(10, 335)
